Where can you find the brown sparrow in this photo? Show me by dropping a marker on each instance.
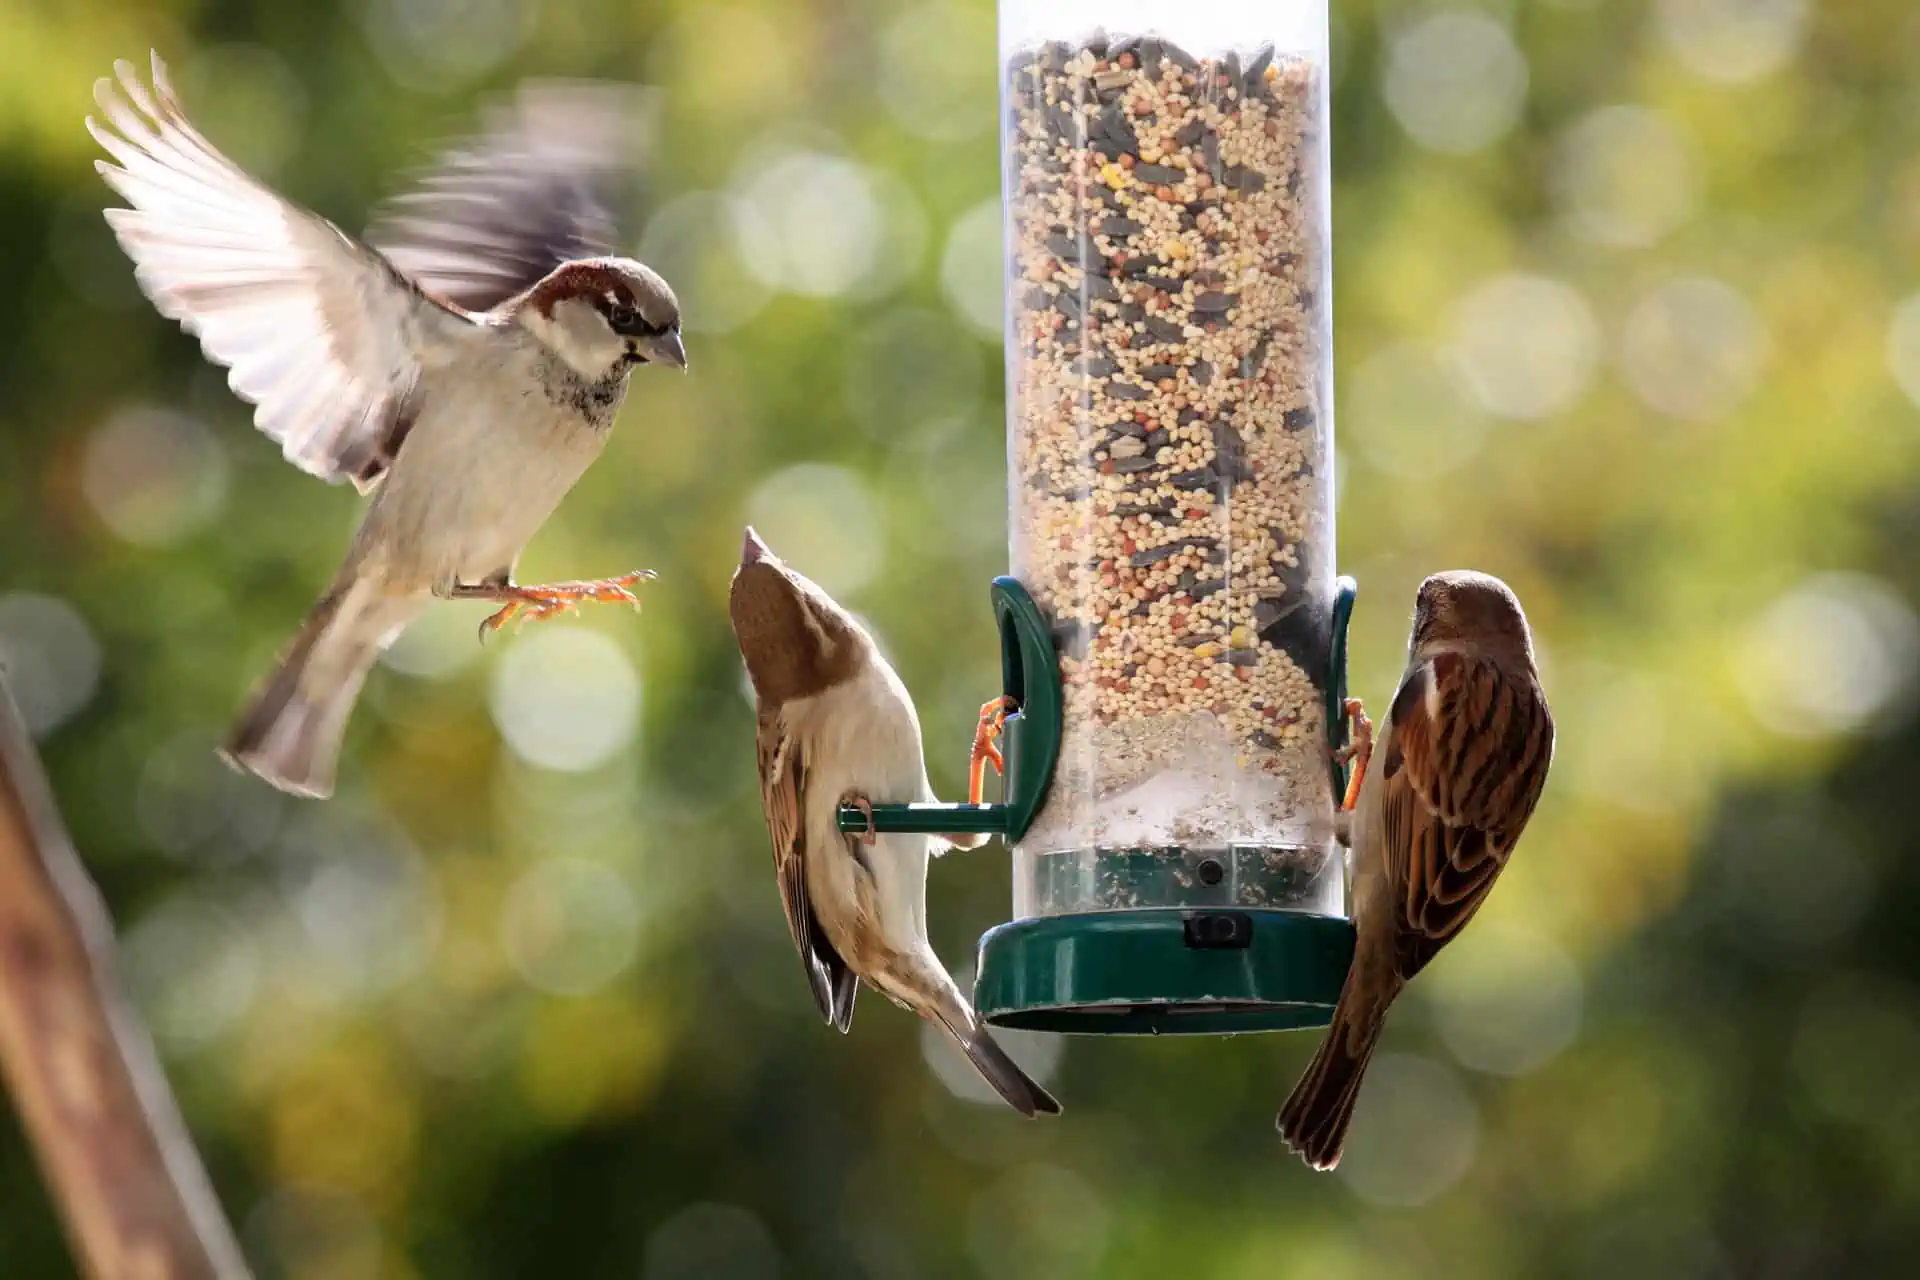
(836, 725)
(465, 363)
(1442, 800)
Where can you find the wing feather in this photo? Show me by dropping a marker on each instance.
(320, 333)
(783, 778)
(496, 212)
(1468, 748)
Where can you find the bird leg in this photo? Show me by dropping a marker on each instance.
(537, 603)
(865, 806)
(1359, 752)
(993, 718)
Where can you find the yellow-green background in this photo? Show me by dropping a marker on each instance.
(1620, 317)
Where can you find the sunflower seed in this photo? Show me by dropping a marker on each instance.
(1165, 330)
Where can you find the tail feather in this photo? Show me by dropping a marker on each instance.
(1022, 1092)
(1316, 1115)
(291, 730)
(846, 985)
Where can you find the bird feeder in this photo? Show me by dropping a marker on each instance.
(1172, 634)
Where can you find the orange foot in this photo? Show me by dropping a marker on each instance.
(993, 717)
(865, 806)
(535, 604)
(1359, 753)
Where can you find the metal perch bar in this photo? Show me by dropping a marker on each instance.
(932, 819)
(95, 1104)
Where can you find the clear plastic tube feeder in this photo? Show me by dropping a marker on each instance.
(1171, 791)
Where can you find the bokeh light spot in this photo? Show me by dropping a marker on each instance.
(1829, 655)
(569, 926)
(702, 242)
(825, 217)
(438, 644)
(822, 521)
(1903, 347)
(50, 657)
(154, 476)
(1415, 1132)
(566, 698)
(1408, 412)
(935, 71)
(971, 272)
(446, 44)
(1455, 81)
(248, 97)
(1733, 40)
(1624, 177)
(1693, 348)
(192, 969)
(1508, 1001)
(1527, 345)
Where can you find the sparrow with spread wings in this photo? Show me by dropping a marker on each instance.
(1443, 796)
(463, 364)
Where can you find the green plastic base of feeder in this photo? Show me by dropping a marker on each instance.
(1164, 971)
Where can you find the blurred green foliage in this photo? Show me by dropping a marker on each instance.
(520, 1001)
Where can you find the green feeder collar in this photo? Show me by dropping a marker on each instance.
(1205, 967)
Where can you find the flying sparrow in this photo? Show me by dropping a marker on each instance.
(464, 364)
(1452, 780)
(836, 725)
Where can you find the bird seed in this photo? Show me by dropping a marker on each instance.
(1172, 504)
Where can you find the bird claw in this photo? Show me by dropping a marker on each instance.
(993, 718)
(865, 806)
(538, 603)
(1359, 753)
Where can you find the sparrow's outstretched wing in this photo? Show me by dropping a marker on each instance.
(318, 331)
(496, 212)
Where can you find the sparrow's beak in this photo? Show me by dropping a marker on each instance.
(752, 550)
(666, 349)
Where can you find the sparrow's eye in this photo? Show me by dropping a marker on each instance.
(623, 319)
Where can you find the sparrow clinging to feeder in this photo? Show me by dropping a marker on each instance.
(464, 364)
(1455, 773)
(837, 726)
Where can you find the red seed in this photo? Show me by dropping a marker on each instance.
(1199, 682)
(1178, 621)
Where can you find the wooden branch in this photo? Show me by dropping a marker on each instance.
(81, 1068)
